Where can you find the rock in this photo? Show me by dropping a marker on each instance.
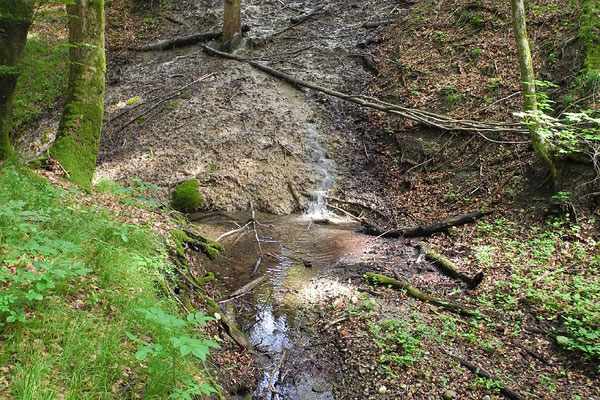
(186, 197)
(450, 394)
(319, 388)
(562, 340)
(382, 390)
(486, 397)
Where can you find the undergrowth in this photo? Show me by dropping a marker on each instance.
(76, 289)
(554, 272)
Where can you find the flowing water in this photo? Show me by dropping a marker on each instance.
(292, 251)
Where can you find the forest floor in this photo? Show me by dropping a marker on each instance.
(242, 134)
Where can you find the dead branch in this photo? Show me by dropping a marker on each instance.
(372, 229)
(231, 232)
(307, 15)
(247, 288)
(424, 117)
(172, 96)
(505, 390)
(182, 41)
(448, 268)
(377, 24)
(256, 266)
(274, 373)
(383, 280)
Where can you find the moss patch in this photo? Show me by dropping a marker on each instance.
(186, 197)
(179, 238)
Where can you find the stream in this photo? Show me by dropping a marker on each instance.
(278, 317)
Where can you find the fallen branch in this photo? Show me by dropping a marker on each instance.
(172, 96)
(307, 15)
(274, 373)
(231, 232)
(256, 266)
(377, 24)
(448, 267)
(424, 117)
(378, 279)
(372, 229)
(247, 288)
(505, 390)
(182, 41)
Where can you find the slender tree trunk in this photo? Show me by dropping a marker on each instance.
(541, 146)
(232, 24)
(15, 20)
(78, 136)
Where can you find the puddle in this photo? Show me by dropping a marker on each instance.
(278, 315)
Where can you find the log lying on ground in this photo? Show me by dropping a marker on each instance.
(230, 329)
(506, 391)
(307, 15)
(182, 41)
(378, 279)
(370, 228)
(448, 268)
(424, 117)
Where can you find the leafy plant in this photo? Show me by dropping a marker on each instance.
(180, 345)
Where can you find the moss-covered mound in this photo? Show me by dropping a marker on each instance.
(186, 197)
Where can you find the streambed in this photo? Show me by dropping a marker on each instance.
(283, 315)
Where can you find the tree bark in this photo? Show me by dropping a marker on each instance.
(232, 24)
(541, 146)
(15, 20)
(76, 145)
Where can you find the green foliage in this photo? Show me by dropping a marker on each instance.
(132, 100)
(399, 341)
(180, 344)
(186, 197)
(138, 193)
(562, 296)
(79, 277)
(42, 81)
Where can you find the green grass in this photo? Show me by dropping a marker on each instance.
(76, 337)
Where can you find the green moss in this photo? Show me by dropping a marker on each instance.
(76, 145)
(186, 197)
(211, 248)
(179, 238)
(206, 279)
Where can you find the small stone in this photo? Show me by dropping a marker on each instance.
(486, 397)
(449, 394)
(562, 340)
(382, 389)
(319, 388)
(354, 299)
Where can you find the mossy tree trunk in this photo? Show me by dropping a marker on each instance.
(541, 146)
(78, 136)
(15, 20)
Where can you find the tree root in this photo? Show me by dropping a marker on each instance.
(448, 268)
(370, 228)
(378, 279)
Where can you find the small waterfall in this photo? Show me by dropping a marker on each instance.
(324, 169)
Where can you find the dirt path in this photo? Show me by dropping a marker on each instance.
(240, 132)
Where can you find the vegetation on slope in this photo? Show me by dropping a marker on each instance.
(83, 305)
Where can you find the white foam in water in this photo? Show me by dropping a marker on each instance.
(324, 169)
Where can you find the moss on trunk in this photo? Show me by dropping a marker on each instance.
(15, 19)
(541, 146)
(76, 145)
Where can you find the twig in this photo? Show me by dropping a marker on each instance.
(232, 232)
(175, 94)
(275, 372)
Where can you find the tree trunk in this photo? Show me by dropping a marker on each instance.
(76, 145)
(232, 24)
(15, 20)
(541, 146)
